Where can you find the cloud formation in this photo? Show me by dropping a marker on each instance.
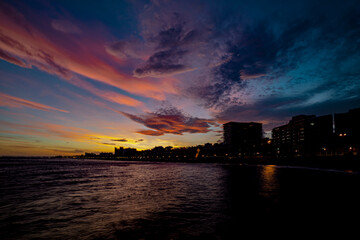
(173, 42)
(223, 61)
(7, 57)
(11, 101)
(163, 63)
(306, 54)
(170, 121)
(119, 140)
(172, 48)
(65, 26)
(125, 49)
(29, 45)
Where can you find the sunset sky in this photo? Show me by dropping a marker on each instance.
(86, 76)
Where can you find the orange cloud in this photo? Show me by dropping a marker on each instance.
(150, 132)
(26, 45)
(11, 101)
(171, 121)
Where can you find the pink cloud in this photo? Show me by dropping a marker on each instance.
(11, 101)
(150, 132)
(5, 56)
(67, 55)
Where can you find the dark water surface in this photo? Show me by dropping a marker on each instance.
(97, 199)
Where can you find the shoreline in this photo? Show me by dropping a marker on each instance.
(343, 163)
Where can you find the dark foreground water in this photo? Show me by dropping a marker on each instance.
(96, 199)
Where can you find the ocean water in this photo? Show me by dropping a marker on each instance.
(98, 199)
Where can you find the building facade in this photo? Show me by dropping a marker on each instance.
(347, 133)
(303, 135)
(308, 135)
(243, 138)
(125, 152)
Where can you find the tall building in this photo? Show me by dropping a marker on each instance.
(308, 135)
(347, 132)
(303, 135)
(125, 152)
(243, 138)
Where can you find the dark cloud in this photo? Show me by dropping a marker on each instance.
(119, 140)
(38, 58)
(150, 132)
(170, 121)
(7, 57)
(14, 44)
(173, 41)
(251, 55)
(50, 65)
(290, 59)
(125, 49)
(175, 36)
(110, 144)
(172, 48)
(170, 37)
(162, 63)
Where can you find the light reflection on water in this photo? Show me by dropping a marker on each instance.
(72, 199)
(269, 185)
(268, 178)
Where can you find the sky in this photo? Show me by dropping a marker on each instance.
(88, 76)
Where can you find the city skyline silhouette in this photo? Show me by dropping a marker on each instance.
(87, 77)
